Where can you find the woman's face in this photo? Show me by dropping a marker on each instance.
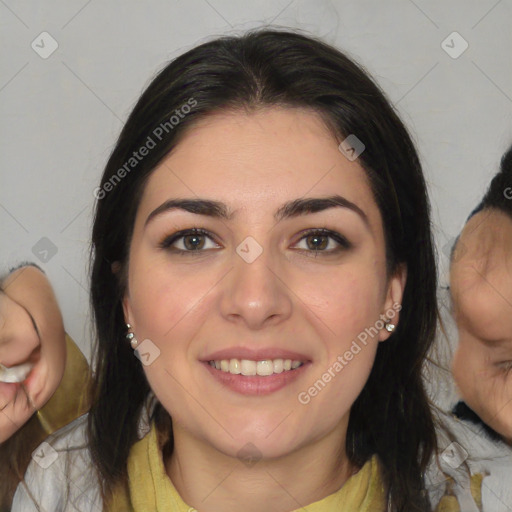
(254, 288)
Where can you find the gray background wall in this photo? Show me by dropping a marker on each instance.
(61, 112)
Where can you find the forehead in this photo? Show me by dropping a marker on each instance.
(486, 240)
(259, 159)
(481, 274)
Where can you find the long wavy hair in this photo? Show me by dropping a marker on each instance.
(264, 68)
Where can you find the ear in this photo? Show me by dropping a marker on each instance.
(127, 309)
(128, 316)
(393, 302)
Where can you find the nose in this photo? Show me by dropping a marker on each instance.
(255, 293)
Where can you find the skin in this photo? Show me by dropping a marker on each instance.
(481, 287)
(194, 304)
(28, 299)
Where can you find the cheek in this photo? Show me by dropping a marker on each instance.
(161, 299)
(345, 301)
(334, 388)
(468, 367)
(497, 410)
(347, 306)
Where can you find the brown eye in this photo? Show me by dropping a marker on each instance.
(323, 241)
(316, 242)
(193, 242)
(189, 241)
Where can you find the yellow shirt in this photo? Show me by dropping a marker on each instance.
(362, 492)
(70, 399)
(151, 490)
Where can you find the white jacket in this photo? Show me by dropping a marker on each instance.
(62, 478)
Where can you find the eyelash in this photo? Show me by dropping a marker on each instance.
(343, 243)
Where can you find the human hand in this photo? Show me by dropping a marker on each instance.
(31, 333)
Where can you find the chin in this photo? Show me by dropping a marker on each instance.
(262, 439)
(249, 449)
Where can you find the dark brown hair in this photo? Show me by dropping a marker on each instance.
(499, 192)
(262, 68)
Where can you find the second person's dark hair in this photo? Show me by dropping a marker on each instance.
(499, 192)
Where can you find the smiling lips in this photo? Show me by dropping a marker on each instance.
(255, 372)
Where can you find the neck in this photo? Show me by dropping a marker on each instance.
(211, 481)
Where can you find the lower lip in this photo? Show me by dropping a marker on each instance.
(255, 384)
(8, 392)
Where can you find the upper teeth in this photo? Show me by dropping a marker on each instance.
(262, 368)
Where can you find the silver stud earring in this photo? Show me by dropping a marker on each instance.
(131, 337)
(389, 326)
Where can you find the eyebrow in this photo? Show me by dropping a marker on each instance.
(290, 209)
